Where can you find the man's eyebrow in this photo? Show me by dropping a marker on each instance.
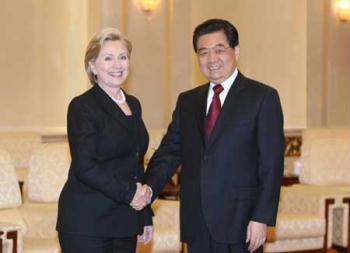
(217, 45)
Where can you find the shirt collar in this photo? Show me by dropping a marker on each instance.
(228, 82)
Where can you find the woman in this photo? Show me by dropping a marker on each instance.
(107, 140)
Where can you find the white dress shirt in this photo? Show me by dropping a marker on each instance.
(226, 85)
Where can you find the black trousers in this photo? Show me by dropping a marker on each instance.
(71, 243)
(204, 243)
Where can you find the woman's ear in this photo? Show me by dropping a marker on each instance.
(92, 67)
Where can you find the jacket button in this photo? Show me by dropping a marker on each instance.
(135, 177)
(137, 154)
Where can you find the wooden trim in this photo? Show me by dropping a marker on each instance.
(347, 248)
(311, 251)
(12, 235)
(347, 201)
(170, 191)
(328, 202)
(290, 180)
(20, 183)
(293, 131)
(339, 249)
(1, 233)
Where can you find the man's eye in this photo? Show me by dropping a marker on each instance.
(123, 57)
(203, 53)
(108, 58)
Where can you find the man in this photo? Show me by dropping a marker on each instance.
(228, 137)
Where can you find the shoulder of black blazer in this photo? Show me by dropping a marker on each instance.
(96, 97)
(241, 82)
(196, 98)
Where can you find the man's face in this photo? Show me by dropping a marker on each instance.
(217, 60)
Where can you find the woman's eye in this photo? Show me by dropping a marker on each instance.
(123, 57)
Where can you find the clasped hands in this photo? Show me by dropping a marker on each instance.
(142, 197)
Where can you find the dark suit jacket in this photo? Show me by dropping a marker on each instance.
(233, 177)
(107, 161)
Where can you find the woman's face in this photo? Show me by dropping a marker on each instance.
(112, 64)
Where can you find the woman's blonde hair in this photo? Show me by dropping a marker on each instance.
(95, 44)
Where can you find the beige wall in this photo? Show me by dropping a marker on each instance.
(328, 64)
(160, 61)
(41, 61)
(296, 46)
(149, 79)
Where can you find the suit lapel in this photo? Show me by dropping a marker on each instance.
(201, 110)
(228, 108)
(110, 107)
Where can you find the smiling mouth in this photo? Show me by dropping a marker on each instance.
(116, 74)
(213, 68)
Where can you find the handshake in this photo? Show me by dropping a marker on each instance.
(142, 197)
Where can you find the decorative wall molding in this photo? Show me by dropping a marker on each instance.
(292, 142)
(47, 134)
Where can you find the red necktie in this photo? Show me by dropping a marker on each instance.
(214, 109)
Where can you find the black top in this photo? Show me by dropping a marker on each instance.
(107, 149)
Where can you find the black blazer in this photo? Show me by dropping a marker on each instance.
(233, 177)
(107, 151)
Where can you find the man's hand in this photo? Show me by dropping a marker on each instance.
(256, 235)
(141, 198)
(147, 235)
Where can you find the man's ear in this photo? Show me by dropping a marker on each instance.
(237, 52)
